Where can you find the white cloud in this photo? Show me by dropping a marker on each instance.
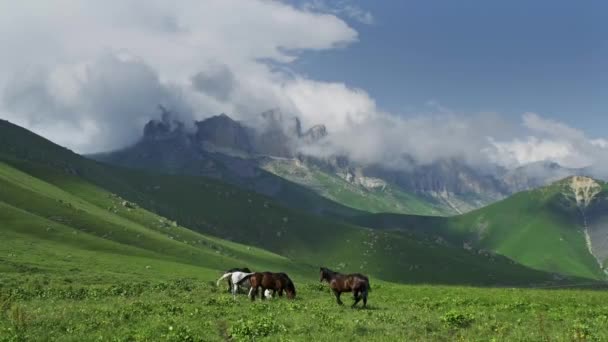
(88, 75)
(109, 64)
(551, 140)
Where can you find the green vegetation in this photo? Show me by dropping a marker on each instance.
(55, 185)
(92, 252)
(542, 229)
(158, 305)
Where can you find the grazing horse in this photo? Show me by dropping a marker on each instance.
(236, 278)
(275, 282)
(244, 270)
(356, 283)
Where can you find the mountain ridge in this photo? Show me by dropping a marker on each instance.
(219, 145)
(89, 198)
(561, 227)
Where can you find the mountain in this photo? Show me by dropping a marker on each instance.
(254, 159)
(77, 212)
(560, 228)
(267, 157)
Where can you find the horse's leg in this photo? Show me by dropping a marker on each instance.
(263, 293)
(357, 298)
(337, 294)
(253, 292)
(235, 289)
(365, 298)
(229, 285)
(280, 292)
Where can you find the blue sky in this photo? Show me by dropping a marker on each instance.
(549, 57)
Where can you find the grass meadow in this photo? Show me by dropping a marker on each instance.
(38, 307)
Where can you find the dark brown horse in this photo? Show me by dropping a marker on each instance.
(244, 270)
(275, 282)
(356, 283)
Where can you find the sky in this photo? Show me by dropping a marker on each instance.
(496, 82)
(545, 56)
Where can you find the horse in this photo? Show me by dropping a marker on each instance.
(356, 283)
(244, 270)
(275, 282)
(236, 278)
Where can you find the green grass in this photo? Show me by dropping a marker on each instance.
(165, 306)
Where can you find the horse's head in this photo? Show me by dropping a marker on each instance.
(291, 290)
(324, 274)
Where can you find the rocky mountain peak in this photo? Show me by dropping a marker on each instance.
(164, 129)
(224, 132)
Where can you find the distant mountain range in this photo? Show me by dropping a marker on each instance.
(268, 158)
(560, 229)
(59, 210)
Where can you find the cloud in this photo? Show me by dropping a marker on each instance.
(93, 106)
(341, 7)
(399, 142)
(216, 81)
(104, 68)
(551, 140)
(91, 79)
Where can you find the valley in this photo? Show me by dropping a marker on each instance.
(135, 253)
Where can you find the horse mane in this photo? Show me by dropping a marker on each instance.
(327, 270)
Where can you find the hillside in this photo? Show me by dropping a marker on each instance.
(362, 193)
(559, 228)
(45, 186)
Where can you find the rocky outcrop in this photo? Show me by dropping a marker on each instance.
(223, 132)
(585, 190)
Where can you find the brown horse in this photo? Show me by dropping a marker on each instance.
(356, 283)
(276, 282)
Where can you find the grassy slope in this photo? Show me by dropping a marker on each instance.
(541, 229)
(224, 211)
(34, 212)
(389, 199)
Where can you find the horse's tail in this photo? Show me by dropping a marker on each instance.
(245, 278)
(226, 275)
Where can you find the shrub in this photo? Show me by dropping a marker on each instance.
(456, 320)
(581, 332)
(247, 330)
(317, 287)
